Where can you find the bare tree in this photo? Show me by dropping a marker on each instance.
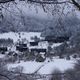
(75, 2)
(5, 1)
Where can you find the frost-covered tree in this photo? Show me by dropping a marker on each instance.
(14, 18)
(56, 75)
(75, 2)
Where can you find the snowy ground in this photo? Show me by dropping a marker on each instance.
(45, 67)
(15, 36)
(2, 56)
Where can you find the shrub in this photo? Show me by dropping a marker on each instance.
(56, 75)
(70, 74)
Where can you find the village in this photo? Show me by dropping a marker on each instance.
(34, 48)
(39, 39)
(28, 53)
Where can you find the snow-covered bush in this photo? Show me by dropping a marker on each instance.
(71, 74)
(39, 58)
(61, 50)
(3, 71)
(75, 39)
(17, 69)
(74, 73)
(77, 66)
(56, 75)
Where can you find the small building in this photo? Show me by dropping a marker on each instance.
(22, 47)
(33, 43)
(38, 50)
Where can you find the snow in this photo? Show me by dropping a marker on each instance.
(46, 67)
(29, 67)
(56, 44)
(59, 64)
(15, 36)
(2, 56)
(44, 45)
(27, 36)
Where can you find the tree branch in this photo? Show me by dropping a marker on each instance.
(76, 4)
(48, 2)
(6, 1)
(5, 76)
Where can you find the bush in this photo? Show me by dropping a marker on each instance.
(77, 66)
(18, 69)
(56, 75)
(6, 42)
(71, 74)
(39, 58)
(74, 74)
(61, 50)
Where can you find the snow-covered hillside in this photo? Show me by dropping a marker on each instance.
(27, 35)
(15, 36)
